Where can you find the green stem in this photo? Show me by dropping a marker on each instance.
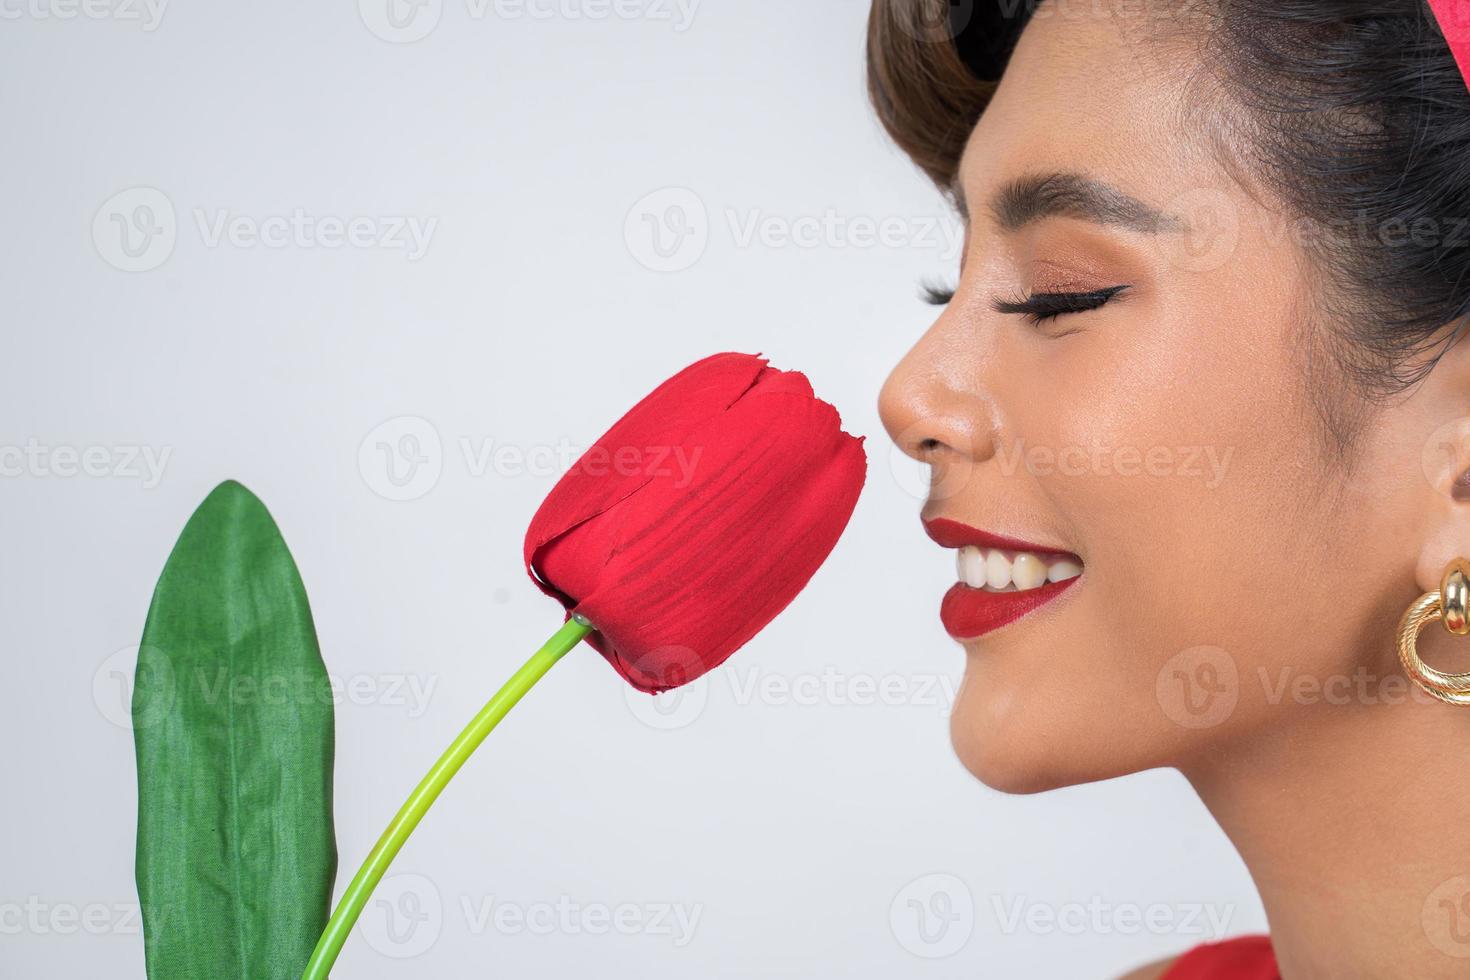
(428, 790)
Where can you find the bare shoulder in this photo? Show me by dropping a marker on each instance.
(1151, 972)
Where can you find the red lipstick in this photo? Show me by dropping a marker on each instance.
(968, 612)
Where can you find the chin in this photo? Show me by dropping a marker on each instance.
(1007, 776)
(1029, 741)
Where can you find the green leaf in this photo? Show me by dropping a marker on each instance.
(232, 721)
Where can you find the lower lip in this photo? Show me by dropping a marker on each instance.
(969, 613)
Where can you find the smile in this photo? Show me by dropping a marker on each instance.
(1001, 579)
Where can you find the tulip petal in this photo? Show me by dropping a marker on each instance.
(685, 568)
(663, 419)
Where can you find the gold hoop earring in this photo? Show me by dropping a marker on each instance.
(1451, 606)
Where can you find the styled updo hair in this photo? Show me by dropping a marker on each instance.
(1352, 114)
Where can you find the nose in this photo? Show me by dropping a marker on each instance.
(934, 405)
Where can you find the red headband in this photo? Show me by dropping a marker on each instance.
(1454, 24)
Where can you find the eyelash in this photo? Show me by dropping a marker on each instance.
(1038, 307)
(935, 293)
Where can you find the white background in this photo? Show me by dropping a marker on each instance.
(804, 824)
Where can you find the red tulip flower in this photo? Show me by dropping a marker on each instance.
(685, 529)
(697, 517)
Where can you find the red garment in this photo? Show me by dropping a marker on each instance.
(1241, 958)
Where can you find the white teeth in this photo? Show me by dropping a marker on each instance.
(1028, 571)
(972, 567)
(1063, 570)
(997, 570)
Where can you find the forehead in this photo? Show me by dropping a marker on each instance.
(1095, 87)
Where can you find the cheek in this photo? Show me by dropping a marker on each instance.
(1176, 462)
(1188, 469)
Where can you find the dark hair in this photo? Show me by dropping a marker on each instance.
(1351, 113)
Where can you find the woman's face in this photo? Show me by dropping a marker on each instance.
(1165, 437)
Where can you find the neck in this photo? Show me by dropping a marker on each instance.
(1355, 825)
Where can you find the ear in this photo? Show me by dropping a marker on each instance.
(1446, 464)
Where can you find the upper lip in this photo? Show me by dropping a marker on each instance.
(948, 533)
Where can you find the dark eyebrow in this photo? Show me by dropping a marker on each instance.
(1032, 197)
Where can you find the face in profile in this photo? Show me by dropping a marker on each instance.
(1134, 431)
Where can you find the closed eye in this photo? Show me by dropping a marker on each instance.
(1040, 307)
